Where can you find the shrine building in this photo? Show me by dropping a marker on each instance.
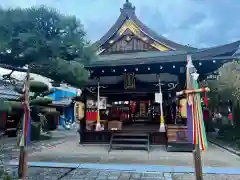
(134, 63)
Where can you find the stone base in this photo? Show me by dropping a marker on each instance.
(179, 147)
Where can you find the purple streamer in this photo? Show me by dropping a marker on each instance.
(190, 122)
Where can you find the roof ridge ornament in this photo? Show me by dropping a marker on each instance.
(127, 7)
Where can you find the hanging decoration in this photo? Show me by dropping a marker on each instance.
(160, 101)
(103, 103)
(98, 125)
(196, 129)
(183, 107)
(205, 99)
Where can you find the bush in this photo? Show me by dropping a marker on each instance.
(5, 175)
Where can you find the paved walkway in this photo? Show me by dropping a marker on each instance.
(40, 173)
(95, 162)
(10, 151)
(231, 147)
(71, 152)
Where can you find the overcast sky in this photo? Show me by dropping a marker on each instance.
(200, 23)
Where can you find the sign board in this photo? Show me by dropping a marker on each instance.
(103, 103)
(93, 103)
(177, 133)
(158, 97)
(129, 81)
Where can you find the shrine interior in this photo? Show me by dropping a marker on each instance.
(136, 111)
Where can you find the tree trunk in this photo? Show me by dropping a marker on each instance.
(236, 115)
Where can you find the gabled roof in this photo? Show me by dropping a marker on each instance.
(128, 13)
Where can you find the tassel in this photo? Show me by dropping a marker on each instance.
(205, 100)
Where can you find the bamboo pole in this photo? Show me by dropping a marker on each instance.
(196, 152)
(193, 91)
(22, 166)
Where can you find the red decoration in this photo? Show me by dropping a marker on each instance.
(90, 116)
(205, 100)
(230, 116)
(133, 107)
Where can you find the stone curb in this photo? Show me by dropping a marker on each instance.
(132, 168)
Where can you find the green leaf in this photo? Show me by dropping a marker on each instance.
(52, 44)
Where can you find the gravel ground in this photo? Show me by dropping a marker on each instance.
(206, 177)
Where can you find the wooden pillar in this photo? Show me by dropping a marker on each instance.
(23, 166)
(82, 124)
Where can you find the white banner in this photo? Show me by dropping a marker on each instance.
(158, 97)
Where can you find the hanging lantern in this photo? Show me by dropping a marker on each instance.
(79, 109)
(183, 107)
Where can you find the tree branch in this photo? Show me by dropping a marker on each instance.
(7, 76)
(13, 68)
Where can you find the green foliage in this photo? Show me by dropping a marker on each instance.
(9, 105)
(227, 87)
(70, 72)
(41, 101)
(38, 86)
(228, 83)
(52, 44)
(38, 90)
(4, 175)
(4, 107)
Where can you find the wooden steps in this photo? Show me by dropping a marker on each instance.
(130, 141)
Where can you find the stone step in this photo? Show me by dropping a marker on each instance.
(131, 140)
(128, 146)
(131, 134)
(179, 147)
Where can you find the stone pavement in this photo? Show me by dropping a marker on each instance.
(188, 176)
(37, 173)
(71, 152)
(87, 174)
(10, 151)
(64, 148)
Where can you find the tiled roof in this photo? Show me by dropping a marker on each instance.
(150, 57)
(128, 12)
(7, 92)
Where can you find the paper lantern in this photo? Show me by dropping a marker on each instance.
(183, 107)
